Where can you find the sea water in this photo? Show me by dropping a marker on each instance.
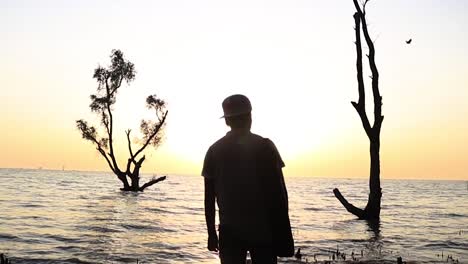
(83, 217)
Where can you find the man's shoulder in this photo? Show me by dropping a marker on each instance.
(254, 139)
(264, 141)
(270, 144)
(257, 137)
(217, 144)
(270, 150)
(258, 141)
(228, 138)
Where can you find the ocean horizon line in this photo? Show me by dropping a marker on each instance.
(286, 176)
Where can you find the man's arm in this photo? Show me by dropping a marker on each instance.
(279, 187)
(210, 214)
(284, 191)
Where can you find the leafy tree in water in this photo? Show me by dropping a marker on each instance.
(372, 209)
(109, 80)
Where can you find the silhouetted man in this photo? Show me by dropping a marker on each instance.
(243, 173)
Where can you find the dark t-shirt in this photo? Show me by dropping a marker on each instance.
(239, 164)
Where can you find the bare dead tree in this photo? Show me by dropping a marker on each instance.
(372, 209)
(109, 81)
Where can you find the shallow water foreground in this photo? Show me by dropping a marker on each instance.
(81, 217)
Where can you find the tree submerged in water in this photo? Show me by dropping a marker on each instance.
(372, 209)
(109, 81)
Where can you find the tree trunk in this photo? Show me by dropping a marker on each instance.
(123, 178)
(373, 205)
(135, 183)
(372, 209)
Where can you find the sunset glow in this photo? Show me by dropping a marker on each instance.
(295, 60)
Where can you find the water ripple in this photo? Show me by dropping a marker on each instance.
(96, 223)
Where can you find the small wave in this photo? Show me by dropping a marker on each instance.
(191, 208)
(100, 219)
(453, 215)
(35, 217)
(159, 210)
(124, 259)
(448, 215)
(68, 182)
(39, 252)
(48, 261)
(100, 229)
(138, 227)
(313, 209)
(69, 248)
(447, 244)
(148, 228)
(7, 236)
(32, 205)
(61, 238)
(77, 261)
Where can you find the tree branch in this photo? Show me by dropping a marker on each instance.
(365, 121)
(89, 133)
(151, 182)
(120, 83)
(360, 106)
(155, 132)
(349, 207)
(132, 157)
(375, 74)
(113, 90)
(103, 153)
(105, 121)
(110, 132)
(136, 170)
(378, 118)
(360, 78)
(129, 163)
(357, 6)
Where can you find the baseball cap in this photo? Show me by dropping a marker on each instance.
(236, 104)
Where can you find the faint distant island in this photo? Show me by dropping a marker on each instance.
(109, 81)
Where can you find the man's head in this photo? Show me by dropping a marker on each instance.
(237, 111)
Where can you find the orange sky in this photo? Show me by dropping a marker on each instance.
(294, 59)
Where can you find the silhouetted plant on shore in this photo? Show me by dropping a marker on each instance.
(4, 259)
(109, 81)
(372, 209)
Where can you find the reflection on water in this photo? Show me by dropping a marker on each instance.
(81, 217)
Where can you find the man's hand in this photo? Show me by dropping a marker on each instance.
(213, 243)
(210, 213)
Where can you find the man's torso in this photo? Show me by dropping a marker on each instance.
(235, 163)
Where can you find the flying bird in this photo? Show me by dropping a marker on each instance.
(408, 41)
